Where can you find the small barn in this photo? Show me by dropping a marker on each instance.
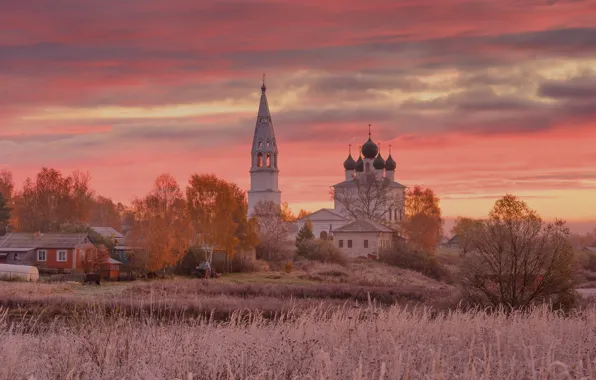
(110, 270)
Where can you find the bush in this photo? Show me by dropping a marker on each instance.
(324, 251)
(406, 256)
(587, 261)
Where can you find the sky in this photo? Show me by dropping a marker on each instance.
(477, 98)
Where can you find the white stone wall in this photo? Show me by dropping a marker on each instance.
(374, 239)
(322, 225)
(255, 197)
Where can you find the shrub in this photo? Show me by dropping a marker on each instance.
(587, 261)
(406, 256)
(288, 267)
(324, 251)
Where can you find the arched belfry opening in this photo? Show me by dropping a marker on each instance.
(259, 159)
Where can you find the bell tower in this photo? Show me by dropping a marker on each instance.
(264, 171)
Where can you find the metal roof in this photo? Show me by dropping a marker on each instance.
(35, 240)
(363, 225)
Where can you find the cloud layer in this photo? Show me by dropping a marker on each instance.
(477, 98)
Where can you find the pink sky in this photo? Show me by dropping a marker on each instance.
(477, 98)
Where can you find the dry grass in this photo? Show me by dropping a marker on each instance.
(365, 343)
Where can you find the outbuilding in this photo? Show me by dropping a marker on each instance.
(18, 272)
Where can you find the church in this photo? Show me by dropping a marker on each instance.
(368, 204)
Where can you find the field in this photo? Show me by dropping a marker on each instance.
(361, 321)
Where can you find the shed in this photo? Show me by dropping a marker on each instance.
(110, 269)
(18, 272)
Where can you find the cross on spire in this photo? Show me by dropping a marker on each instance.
(370, 125)
(263, 88)
(350, 149)
(390, 149)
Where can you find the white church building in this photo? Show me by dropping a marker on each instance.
(369, 188)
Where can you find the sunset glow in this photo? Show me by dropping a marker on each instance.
(477, 98)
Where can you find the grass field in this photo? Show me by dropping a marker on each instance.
(365, 320)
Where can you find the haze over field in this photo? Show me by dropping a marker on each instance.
(478, 98)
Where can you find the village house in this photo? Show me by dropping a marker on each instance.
(60, 251)
(363, 238)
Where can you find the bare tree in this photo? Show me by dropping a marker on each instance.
(273, 230)
(517, 258)
(370, 198)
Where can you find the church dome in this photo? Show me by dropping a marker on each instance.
(390, 164)
(379, 162)
(360, 165)
(349, 163)
(370, 149)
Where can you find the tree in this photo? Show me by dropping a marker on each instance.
(517, 259)
(52, 200)
(94, 258)
(464, 228)
(369, 198)
(4, 215)
(218, 211)
(286, 213)
(6, 184)
(161, 228)
(302, 214)
(105, 213)
(273, 230)
(423, 225)
(304, 238)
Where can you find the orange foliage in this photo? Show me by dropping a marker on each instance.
(423, 225)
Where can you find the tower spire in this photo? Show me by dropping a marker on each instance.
(263, 87)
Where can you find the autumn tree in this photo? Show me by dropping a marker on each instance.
(4, 215)
(218, 212)
(161, 229)
(273, 230)
(6, 184)
(105, 213)
(464, 228)
(94, 258)
(369, 198)
(517, 259)
(423, 226)
(304, 238)
(286, 213)
(52, 200)
(302, 214)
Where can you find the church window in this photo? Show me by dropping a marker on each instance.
(268, 160)
(367, 167)
(341, 244)
(365, 243)
(349, 243)
(268, 144)
(323, 235)
(390, 211)
(260, 144)
(259, 160)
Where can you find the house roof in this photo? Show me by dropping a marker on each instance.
(590, 249)
(363, 225)
(354, 184)
(33, 240)
(108, 232)
(112, 261)
(325, 214)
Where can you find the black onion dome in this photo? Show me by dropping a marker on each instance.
(379, 162)
(390, 164)
(349, 163)
(370, 149)
(360, 165)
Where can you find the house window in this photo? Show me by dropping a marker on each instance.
(349, 243)
(61, 256)
(42, 255)
(365, 243)
(341, 244)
